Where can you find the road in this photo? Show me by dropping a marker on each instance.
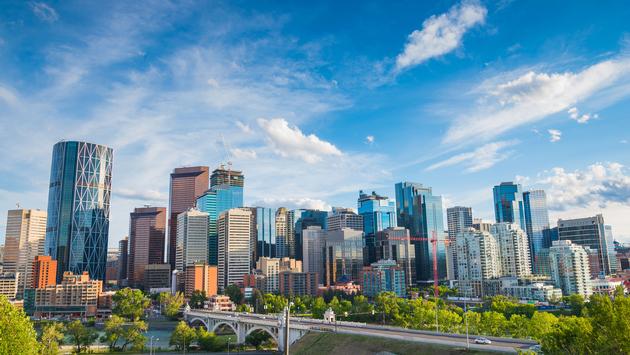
(456, 340)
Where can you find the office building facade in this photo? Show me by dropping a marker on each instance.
(123, 255)
(508, 204)
(77, 229)
(342, 218)
(421, 212)
(186, 185)
(343, 255)
(394, 243)
(263, 233)
(147, 232)
(192, 239)
(24, 240)
(44, 272)
(293, 283)
(378, 213)
(536, 221)
(201, 277)
(313, 244)
(301, 219)
(234, 227)
(383, 276)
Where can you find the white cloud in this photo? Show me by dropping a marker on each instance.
(8, 96)
(574, 114)
(238, 153)
(244, 127)
(369, 140)
(534, 96)
(141, 195)
(293, 203)
(289, 141)
(44, 12)
(440, 34)
(554, 135)
(479, 159)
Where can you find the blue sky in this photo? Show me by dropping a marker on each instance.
(317, 100)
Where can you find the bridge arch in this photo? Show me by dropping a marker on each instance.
(194, 320)
(264, 329)
(229, 324)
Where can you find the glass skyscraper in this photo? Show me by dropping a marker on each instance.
(79, 194)
(508, 204)
(378, 213)
(226, 192)
(421, 212)
(536, 221)
(263, 233)
(301, 219)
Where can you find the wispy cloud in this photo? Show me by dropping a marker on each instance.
(440, 34)
(554, 135)
(44, 12)
(479, 159)
(532, 97)
(288, 141)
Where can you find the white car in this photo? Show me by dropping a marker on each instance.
(483, 341)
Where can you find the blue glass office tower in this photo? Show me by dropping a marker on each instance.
(300, 220)
(536, 221)
(226, 192)
(421, 212)
(264, 229)
(508, 204)
(79, 194)
(378, 213)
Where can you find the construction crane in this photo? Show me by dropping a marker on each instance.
(228, 161)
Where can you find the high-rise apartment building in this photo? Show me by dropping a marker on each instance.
(263, 233)
(186, 185)
(593, 233)
(478, 256)
(123, 255)
(341, 218)
(513, 250)
(343, 255)
(44, 272)
(536, 221)
(421, 212)
(293, 283)
(480, 225)
(192, 239)
(271, 269)
(508, 204)
(378, 213)
(234, 227)
(313, 243)
(147, 232)
(394, 243)
(77, 230)
(459, 219)
(570, 268)
(9, 284)
(24, 240)
(383, 276)
(74, 294)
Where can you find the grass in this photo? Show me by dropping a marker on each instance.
(329, 343)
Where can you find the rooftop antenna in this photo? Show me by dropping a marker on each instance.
(17, 204)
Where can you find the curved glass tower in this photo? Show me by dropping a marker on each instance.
(78, 207)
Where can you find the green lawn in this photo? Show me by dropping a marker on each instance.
(329, 343)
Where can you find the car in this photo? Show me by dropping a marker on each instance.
(536, 349)
(482, 341)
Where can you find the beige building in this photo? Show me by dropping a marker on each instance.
(234, 229)
(24, 240)
(192, 238)
(220, 303)
(272, 267)
(76, 294)
(8, 284)
(513, 250)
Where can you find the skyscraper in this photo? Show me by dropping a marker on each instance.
(394, 243)
(234, 228)
(313, 243)
(44, 272)
(378, 213)
(513, 250)
(421, 212)
(343, 255)
(536, 221)
(192, 239)
(508, 204)
(459, 219)
(77, 230)
(226, 192)
(284, 232)
(593, 233)
(123, 257)
(341, 218)
(300, 219)
(478, 256)
(570, 268)
(263, 233)
(147, 230)
(186, 185)
(24, 240)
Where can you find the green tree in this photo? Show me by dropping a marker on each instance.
(51, 338)
(128, 333)
(182, 336)
(571, 335)
(243, 308)
(197, 299)
(449, 321)
(541, 324)
(173, 304)
(80, 336)
(130, 304)
(319, 308)
(387, 306)
(257, 339)
(208, 341)
(275, 303)
(493, 323)
(518, 326)
(474, 322)
(575, 303)
(235, 294)
(611, 323)
(258, 301)
(17, 335)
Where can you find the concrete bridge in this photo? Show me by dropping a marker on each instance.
(244, 324)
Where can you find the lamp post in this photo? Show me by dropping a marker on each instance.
(151, 345)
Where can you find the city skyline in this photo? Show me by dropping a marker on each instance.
(292, 102)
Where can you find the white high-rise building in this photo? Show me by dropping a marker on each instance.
(192, 239)
(459, 219)
(341, 218)
(513, 250)
(24, 240)
(234, 229)
(313, 242)
(477, 256)
(569, 266)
